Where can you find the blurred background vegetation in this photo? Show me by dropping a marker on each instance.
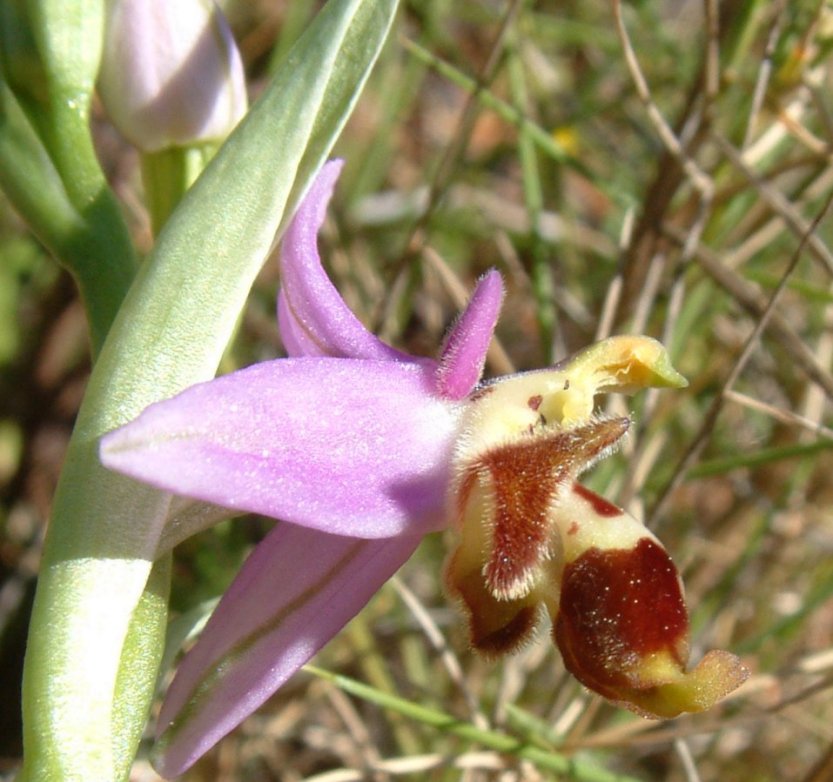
(659, 168)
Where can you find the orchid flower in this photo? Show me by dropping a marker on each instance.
(360, 450)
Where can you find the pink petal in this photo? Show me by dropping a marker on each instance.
(359, 448)
(313, 318)
(296, 591)
(296, 341)
(464, 352)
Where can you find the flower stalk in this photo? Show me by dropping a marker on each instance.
(49, 56)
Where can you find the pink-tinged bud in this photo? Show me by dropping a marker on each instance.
(171, 74)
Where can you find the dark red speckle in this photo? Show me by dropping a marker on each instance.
(600, 504)
(534, 402)
(573, 528)
(480, 393)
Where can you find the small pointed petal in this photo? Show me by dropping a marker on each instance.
(313, 318)
(498, 624)
(464, 352)
(295, 592)
(496, 627)
(360, 448)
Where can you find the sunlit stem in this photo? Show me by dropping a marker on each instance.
(167, 175)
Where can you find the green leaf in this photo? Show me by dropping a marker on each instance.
(170, 333)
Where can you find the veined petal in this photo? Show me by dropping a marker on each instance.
(313, 318)
(359, 448)
(464, 352)
(295, 592)
(296, 341)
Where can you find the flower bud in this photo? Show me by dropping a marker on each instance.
(171, 74)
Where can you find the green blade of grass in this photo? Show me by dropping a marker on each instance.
(759, 458)
(570, 768)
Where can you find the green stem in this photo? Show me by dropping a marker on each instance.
(140, 660)
(48, 166)
(541, 274)
(92, 244)
(167, 175)
(758, 458)
(504, 110)
(68, 35)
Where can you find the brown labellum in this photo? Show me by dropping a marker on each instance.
(622, 629)
(617, 607)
